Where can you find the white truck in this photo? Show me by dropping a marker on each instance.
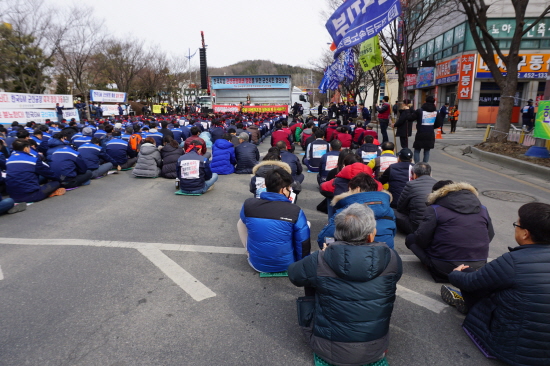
(301, 97)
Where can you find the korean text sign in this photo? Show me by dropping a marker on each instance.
(466, 76)
(355, 21)
(531, 66)
(36, 115)
(447, 72)
(102, 96)
(265, 109)
(251, 82)
(425, 77)
(542, 120)
(21, 100)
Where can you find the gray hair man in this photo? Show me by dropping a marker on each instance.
(357, 269)
(247, 155)
(412, 201)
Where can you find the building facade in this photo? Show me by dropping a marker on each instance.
(461, 77)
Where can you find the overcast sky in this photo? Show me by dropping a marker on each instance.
(283, 31)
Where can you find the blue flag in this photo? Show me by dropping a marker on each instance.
(355, 21)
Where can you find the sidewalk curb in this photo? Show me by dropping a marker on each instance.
(511, 163)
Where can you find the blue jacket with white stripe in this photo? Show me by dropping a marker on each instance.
(278, 233)
(94, 155)
(67, 162)
(23, 170)
(118, 149)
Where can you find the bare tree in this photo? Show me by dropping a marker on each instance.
(77, 52)
(122, 61)
(487, 46)
(400, 37)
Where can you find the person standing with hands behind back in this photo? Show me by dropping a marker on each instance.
(453, 117)
(405, 124)
(384, 112)
(427, 120)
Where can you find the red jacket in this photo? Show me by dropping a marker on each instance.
(358, 134)
(281, 135)
(345, 138)
(340, 183)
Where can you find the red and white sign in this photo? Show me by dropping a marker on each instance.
(466, 73)
(226, 108)
(410, 80)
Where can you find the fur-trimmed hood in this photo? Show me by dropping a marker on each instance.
(459, 197)
(274, 163)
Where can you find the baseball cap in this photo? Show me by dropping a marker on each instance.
(405, 154)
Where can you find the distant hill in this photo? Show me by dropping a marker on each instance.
(300, 75)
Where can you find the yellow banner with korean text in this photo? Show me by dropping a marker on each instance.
(531, 66)
(265, 109)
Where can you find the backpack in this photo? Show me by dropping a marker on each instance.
(297, 134)
(135, 141)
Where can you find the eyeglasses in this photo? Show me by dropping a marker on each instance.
(516, 225)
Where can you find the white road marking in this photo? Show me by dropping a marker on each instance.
(125, 244)
(181, 277)
(421, 300)
(1, 274)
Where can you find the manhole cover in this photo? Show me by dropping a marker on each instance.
(509, 196)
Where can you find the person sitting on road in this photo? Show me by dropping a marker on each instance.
(342, 134)
(96, 159)
(274, 231)
(363, 189)
(292, 160)
(8, 205)
(246, 154)
(121, 151)
(281, 135)
(307, 133)
(508, 299)
(396, 176)
(411, 205)
(315, 151)
(71, 167)
(58, 141)
(271, 160)
(223, 156)
(170, 153)
(339, 185)
(194, 174)
(456, 229)
(149, 160)
(86, 137)
(369, 131)
(368, 150)
(354, 280)
(329, 161)
(23, 172)
(195, 131)
(380, 163)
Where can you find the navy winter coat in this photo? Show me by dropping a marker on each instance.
(247, 156)
(512, 321)
(354, 294)
(223, 157)
(379, 202)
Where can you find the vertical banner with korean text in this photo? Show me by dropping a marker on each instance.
(542, 120)
(466, 76)
(370, 54)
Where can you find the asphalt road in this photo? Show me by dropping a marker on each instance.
(123, 272)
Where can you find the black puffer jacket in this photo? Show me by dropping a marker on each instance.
(412, 201)
(512, 322)
(247, 156)
(405, 123)
(456, 226)
(355, 291)
(170, 156)
(396, 176)
(427, 120)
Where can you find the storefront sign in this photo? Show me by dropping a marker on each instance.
(542, 120)
(425, 77)
(505, 28)
(466, 76)
(447, 72)
(226, 108)
(531, 66)
(107, 96)
(265, 109)
(21, 100)
(251, 82)
(37, 115)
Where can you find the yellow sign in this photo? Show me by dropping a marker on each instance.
(531, 66)
(156, 108)
(370, 54)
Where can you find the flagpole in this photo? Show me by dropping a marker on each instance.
(389, 96)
